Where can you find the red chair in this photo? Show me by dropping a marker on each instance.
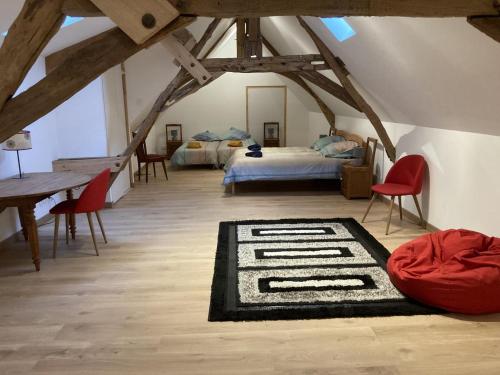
(91, 200)
(144, 157)
(404, 178)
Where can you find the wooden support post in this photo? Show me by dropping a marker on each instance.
(76, 71)
(240, 37)
(139, 20)
(36, 24)
(253, 42)
(362, 103)
(127, 123)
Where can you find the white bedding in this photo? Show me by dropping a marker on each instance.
(224, 152)
(282, 164)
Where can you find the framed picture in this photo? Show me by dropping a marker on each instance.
(271, 130)
(174, 132)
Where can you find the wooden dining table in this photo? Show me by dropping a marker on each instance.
(25, 193)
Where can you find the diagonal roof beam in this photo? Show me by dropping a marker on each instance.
(488, 25)
(218, 41)
(76, 72)
(33, 28)
(345, 81)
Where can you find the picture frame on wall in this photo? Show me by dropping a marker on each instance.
(272, 130)
(174, 132)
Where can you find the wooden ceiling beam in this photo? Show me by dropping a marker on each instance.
(319, 8)
(275, 64)
(77, 71)
(36, 24)
(488, 25)
(347, 84)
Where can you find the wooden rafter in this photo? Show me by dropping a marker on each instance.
(327, 112)
(275, 64)
(330, 87)
(217, 42)
(75, 72)
(347, 84)
(33, 28)
(319, 8)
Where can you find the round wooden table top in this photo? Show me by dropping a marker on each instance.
(41, 184)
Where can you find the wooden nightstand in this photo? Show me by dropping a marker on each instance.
(171, 147)
(271, 143)
(357, 181)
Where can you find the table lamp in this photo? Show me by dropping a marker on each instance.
(18, 142)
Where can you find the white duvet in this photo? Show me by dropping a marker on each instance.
(283, 163)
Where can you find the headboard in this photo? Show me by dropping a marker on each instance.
(349, 136)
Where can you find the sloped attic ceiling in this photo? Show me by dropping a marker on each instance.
(439, 73)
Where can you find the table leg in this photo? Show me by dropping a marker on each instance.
(72, 222)
(23, 225)
(32, 230)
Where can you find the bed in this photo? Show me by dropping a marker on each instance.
(206, 155)
(224, 151)
(287, 164)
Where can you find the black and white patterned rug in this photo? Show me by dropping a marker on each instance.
(302, 269)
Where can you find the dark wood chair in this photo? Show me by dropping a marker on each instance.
(144, 157)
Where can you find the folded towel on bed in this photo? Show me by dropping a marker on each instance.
(193, 144)
(254, 154)
(235, 144)
(254, 147)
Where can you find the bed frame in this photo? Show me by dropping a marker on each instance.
(369, 154)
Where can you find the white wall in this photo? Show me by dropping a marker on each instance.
(462, 183)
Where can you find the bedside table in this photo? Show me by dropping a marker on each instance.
(171, 147)
(356, 181)
(271, 143)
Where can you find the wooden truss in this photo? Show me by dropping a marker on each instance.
(141, 23)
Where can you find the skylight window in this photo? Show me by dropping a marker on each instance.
(340, 28)
(68, 21)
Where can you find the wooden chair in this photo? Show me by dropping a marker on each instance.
(144, 157)
(404, 178)
(92, 199)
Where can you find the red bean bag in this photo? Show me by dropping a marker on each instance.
(455, 270)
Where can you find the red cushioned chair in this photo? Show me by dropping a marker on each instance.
(455, 270)
(405, 178)
(91, 200)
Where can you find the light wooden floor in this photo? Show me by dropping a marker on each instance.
(141, 307)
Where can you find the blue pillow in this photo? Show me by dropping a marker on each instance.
(236, 134)
(354, 153)
(206, 136)
(325, 141)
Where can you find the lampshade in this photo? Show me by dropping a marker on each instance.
(19, 141)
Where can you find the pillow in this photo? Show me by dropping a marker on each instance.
(235, 143)
(236, 134)
(353, 153)
(207, 136)
(333, 149)
(324, 141)
(193, 144)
